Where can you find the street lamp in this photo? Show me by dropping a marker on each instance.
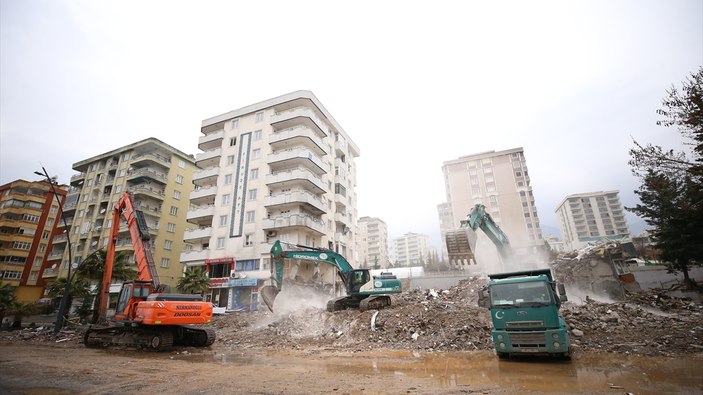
(64, 298)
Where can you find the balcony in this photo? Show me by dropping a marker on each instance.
(194, 256)
(340, 145)
(206, 177)
(201, 215)
(200, 234)
(295, 198)
(298, 176)
(305, 222)
(77, 179)
(298, 136)
(342, 218)
(55, 255)
(50, 273)
(208, 158)
(299, 116)
(149, 158)
(146, 175)
(144, 190)
(211, 140)
(297, 157)
(203, 196)
(58, 239)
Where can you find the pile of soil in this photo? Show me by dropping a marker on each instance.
(447, 320)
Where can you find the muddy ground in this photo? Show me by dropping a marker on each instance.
(440, 322)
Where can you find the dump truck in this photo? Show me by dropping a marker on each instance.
(524, 309)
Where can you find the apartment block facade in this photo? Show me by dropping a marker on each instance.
(278, 169)
(413, 249)
(592, 216)
(373, 243)
(30, 239)
(500, 181)
(158, 176)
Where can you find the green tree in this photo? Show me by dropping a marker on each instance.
(194, 280)
(93, 267)
(671, 193)
(19, 310)
(7, 295)
(80, 288)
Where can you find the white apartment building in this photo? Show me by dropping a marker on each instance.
(593, 216)
(412, 249)
(373, 243)
(500, 181)
(446, 223)
(279, 169)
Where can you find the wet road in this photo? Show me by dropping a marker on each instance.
(40, 369)
(589, 373)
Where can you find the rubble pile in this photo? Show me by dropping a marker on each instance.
(648, 323)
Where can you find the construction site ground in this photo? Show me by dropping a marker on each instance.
(435, 341)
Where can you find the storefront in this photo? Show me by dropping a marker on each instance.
(235, 294)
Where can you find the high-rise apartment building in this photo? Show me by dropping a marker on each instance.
(279, 169)
(158, 176)
(500, 181)
(412, 249)
(29, 218)
(588, 217)
(373, 243)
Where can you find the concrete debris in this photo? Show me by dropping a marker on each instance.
(646, 323)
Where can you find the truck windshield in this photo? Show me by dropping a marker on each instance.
(534, 293)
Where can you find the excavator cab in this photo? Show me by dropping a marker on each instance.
(131, 294)
(357, 278)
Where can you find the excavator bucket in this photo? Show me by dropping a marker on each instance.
(460, 243)
(268, 294)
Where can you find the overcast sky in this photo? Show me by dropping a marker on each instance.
(414, 84)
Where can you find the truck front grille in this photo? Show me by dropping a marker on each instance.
(525, 324)
(527, 339)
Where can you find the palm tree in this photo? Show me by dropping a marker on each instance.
(93, 267)
(80, 288)
(21, 309)
(194, 280)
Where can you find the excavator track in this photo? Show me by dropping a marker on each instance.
(376, 302)
(161, 338)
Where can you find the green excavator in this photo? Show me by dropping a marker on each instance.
(364, 291)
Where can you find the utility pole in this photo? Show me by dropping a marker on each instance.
(63, 305)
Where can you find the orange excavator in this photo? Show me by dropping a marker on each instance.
(145, 316)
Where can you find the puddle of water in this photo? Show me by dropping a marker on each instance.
(586, 373)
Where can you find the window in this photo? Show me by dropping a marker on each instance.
(164, 262)
(179, 179)
(80, 214)
(177, 195)
(45, 235)
(254, 174)
(246, 265)
(225, 199)
(181, 163)
(223, 220)
(256, 154)
(251, 216)
(257, 135)
(174, 210)
(228, 179)
(230, 159)
(220, 242)
(118, 189)
(168, 244)
(235, 123)
(121, 173)
(171, 227)
(232, 141)
(252, 194)
(42, 247)
(248, 240)
(260, 116)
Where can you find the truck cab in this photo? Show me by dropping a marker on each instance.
(524, 309)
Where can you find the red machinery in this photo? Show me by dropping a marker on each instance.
(146, 316)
